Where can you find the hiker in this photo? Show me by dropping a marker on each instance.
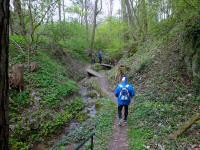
(100, 56)
(124, 93)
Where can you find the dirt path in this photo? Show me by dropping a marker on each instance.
(119, 139)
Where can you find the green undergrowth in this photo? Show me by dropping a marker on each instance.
(139, 62)
(101, 124)
(153, 118)
(48, 101)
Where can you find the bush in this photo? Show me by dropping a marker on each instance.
(73, 40)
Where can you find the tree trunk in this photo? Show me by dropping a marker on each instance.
(96, 12)
(63, 5)
(82, 12)
(130, 13)
(110, 8)
(143, 16)
(11, 26)
(124, 12)
(4, 46)
(31, 34)
(59, 10)
(86, 20)
(134, 12)
(18, 10)
(94, 25)
(125, 19)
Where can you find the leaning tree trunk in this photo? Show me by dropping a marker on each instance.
(4, 39)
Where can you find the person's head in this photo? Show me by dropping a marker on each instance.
(124, 79)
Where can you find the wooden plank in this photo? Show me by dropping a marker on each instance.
(93, 73)
(106, 65)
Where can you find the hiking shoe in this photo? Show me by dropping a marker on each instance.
(120, 122)
(125, 122)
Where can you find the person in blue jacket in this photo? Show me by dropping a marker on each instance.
(124, 93)
(100, 56)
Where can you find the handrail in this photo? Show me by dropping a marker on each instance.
(87, 139)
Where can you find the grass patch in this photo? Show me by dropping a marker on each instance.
(104, 125)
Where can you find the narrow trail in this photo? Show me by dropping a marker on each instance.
(119, 139)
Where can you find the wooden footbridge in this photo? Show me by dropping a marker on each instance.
(108, 66)
(92, 72)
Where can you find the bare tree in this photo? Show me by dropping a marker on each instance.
(34, 25)
(4, 39)
(96, 12)
(18, 11)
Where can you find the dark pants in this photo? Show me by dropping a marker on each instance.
(120, 107)
(100, 60)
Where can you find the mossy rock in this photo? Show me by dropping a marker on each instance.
(82, 117)
(93, 94)
(98, 106)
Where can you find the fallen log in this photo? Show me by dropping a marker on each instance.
(185, 127)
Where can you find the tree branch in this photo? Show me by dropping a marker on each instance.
(49, 7)
(100, 8)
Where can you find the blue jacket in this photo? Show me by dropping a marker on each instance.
(100, 54)
(131, 91)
